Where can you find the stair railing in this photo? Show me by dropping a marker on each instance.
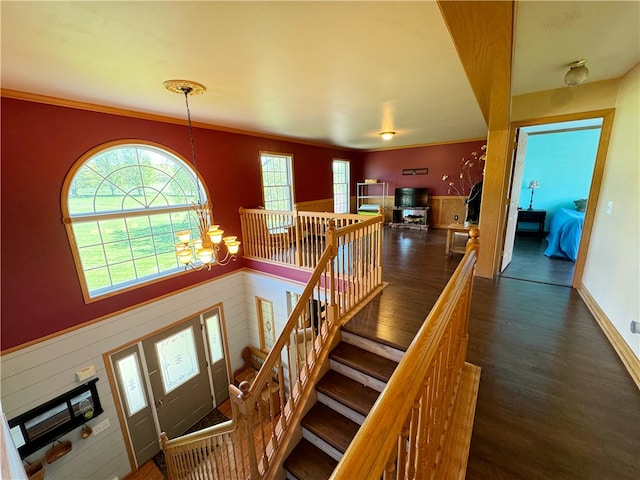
(293, 238)
(267, 411)
(403, 435)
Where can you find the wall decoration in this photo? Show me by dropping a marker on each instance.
(415, 171)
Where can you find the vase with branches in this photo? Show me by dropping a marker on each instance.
(468, 182)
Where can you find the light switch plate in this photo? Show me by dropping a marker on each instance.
(609, 207)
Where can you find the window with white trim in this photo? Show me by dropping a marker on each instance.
(124, 205)
(277, 184)
(341, 198)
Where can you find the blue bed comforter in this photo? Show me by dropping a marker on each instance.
(565, 231)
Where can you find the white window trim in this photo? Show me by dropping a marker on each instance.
(75, 219)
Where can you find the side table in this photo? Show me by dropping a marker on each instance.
(450, 246)
(532, 216)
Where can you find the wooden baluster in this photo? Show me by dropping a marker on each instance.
(390, 467)
(429, 402)
(402, 448)
(413, 435)
(297, 231)
(423, 440)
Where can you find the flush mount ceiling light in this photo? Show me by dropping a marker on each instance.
(577, 73)
(207, 247)
(387, 135)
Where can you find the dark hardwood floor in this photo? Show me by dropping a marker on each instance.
(530, 263)
(555, 401)
(416, 270)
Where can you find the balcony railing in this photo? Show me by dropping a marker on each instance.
(292, 238)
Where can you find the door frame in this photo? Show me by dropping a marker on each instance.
(607, 116)
(113, 382)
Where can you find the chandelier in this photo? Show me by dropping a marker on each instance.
(206, 250)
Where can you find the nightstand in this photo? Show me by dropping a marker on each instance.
(532, 216)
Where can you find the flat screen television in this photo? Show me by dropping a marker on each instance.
(412, 197)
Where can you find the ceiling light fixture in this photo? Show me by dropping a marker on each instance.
(577, 73)
(387, 135)
(207, 247)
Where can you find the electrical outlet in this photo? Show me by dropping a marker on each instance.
(101, 427)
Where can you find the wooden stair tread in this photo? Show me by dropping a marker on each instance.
(369, 363)
(354, 395)
(335, 429)
(307, 462)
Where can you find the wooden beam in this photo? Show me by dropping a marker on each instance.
(482, 33)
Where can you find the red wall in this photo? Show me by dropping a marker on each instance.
(41, 293)
(441, 160)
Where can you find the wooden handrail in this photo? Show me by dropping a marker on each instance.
(415, 405)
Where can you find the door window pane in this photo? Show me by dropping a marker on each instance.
(216, 351)
(129, 373)
(266, 323)
(177, 359)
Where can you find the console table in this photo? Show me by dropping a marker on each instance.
(532, 216)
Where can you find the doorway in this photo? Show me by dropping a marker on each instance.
(168, 381)
(551, 186)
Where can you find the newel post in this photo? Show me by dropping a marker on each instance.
(245, 411)
(473, 243)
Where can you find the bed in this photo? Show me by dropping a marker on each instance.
(565, 230)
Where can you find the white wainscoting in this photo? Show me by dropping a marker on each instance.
(270, 288)
(40, 372)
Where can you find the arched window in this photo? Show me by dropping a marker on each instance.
(123, 205)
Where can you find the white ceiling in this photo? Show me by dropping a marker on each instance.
(329, 72)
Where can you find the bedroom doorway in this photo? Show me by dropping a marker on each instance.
(553, 171)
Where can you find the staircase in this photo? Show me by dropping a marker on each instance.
(359, 370)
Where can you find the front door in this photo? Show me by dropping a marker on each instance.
(178, 376)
